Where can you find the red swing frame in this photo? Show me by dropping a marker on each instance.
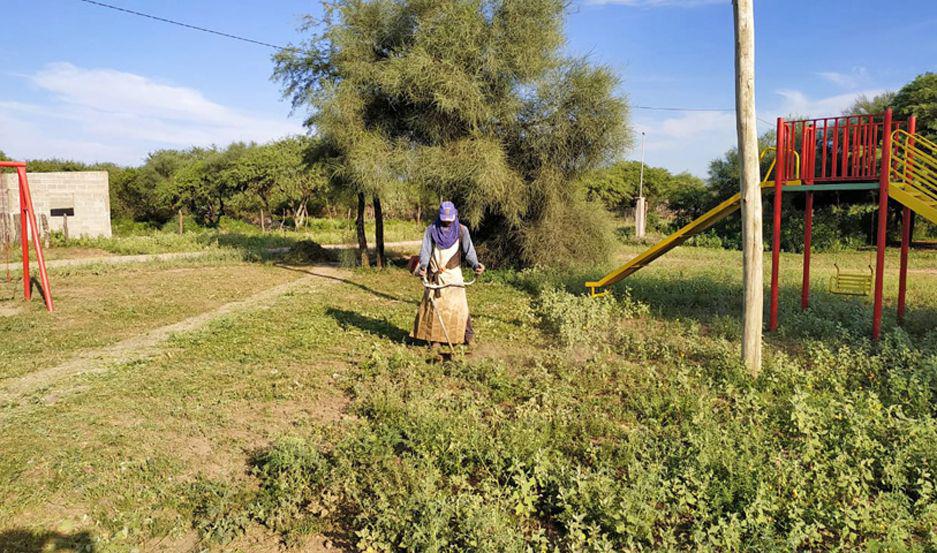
(27, 225)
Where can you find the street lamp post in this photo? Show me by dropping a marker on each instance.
(640, 208)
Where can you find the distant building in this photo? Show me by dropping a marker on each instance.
(84, 195)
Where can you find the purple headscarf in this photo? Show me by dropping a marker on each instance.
(445, 237)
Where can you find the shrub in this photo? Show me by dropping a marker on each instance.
(575, 319)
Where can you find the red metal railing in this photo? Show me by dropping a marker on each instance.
(846, 148)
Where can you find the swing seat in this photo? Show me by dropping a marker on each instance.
(851, 283)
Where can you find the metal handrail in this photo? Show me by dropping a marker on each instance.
(774, 162)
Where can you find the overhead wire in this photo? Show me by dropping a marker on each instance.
(181, 24)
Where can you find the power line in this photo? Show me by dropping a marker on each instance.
(655, 108)
(276, 47)
(181, 24)
(720, 110)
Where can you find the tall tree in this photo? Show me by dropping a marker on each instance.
(919, 98)
(863, 105)
(752, 264)
(471, 100)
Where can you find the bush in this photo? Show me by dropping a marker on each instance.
(575, 319)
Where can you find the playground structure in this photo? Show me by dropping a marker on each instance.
(850, 152)
(28, 226)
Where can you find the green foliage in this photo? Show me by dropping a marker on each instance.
(575, 319)
(919, 98)
(616, 186)
(219, 510)
(664, 442)
(470, 100)
(871, 106)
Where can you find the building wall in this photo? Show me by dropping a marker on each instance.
(85, 191)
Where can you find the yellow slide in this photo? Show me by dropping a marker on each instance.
(703, 223)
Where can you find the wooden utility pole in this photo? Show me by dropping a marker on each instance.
(752, 263)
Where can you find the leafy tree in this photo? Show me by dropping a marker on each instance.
(871, 106)
(617, 185)
(255, 173)
(203, 185)
(471, 100)
(919, 98)
(302, 175)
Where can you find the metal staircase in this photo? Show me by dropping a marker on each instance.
(914, 174)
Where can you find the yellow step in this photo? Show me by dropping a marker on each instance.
(911, 197)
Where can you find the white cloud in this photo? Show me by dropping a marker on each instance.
(689, 141)
(796, 102)
(658, 3)
(851, 79)
(104, 114)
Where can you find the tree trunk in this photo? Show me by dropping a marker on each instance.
(752, 245)
(362, 237)
(379, 232)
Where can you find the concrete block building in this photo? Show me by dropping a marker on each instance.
(85, 193)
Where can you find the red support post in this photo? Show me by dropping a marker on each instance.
(24, 240)
(808, 236)
(779, 178)
(882, 226)
(906, 224)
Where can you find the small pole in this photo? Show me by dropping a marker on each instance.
(181, 223)
(640, 208)
(65, 226)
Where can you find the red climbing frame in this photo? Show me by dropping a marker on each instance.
(28, 226)
(850, 152)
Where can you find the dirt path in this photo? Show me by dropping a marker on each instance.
(147, 344)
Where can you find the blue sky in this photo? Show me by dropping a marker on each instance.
(82, 82)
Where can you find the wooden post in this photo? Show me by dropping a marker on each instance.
(65, 227)
(181, 223)
(752, 263)
(46, 233)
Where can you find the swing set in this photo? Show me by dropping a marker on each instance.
(29, 227)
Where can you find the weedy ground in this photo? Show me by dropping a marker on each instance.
(624, 423)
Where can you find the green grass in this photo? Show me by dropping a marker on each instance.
(245, 239)
(624, 426)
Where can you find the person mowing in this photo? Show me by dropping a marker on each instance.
(446, 243)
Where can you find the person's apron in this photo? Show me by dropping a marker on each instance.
(451, 303)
